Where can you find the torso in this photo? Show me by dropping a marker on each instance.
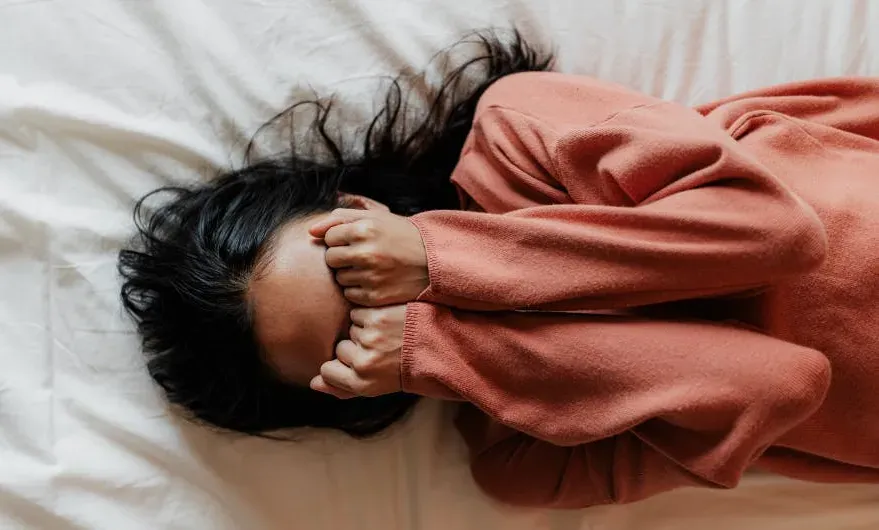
(835, 309)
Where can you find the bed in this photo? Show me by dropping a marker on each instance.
(103, 100)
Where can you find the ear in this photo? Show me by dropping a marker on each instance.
(360, 202)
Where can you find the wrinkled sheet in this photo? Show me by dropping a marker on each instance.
(103, 100)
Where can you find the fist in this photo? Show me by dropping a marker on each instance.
(378, 257)
(368, 363)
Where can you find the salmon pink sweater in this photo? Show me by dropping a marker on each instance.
(642, 296)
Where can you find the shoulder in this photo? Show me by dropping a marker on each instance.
(527, 90)
(555, 99)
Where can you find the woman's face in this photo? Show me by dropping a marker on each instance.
(299, 311)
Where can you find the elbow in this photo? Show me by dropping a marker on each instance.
(522, 493)
(804, 245)
(534, 474)
(804, 388)
(511, 493)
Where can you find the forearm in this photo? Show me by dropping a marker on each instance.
(664, 206)
(561, 258)
(519, 470)
(576, 378)
(701, 399)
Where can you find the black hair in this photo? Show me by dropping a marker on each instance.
(186, 273)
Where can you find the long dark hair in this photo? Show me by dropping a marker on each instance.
(186, 272)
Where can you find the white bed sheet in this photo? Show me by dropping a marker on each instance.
(103, 100)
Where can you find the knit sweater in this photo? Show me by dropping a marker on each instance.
(639, 296)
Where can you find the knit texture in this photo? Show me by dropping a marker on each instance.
(732, 252)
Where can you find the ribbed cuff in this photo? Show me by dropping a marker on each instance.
(407, 352)
(445, 281)
(430, 294)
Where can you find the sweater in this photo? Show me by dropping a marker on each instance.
(638, 296)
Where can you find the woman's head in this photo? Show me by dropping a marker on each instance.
(233, 302)
(298, 311)
(209, 267)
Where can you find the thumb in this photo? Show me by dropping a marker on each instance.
(319, 384)
(337, 217)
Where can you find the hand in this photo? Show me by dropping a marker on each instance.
(379, 257)
(368, 364)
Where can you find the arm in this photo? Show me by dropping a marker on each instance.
(517, 469)
(624, 201)
(593, 409)
(849, 104)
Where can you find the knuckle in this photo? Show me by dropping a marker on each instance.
(364, 362)
(363, 337)
(381, 320)
(369, 257)
(332, 258)
(341, 350)
(325, 371)
(361, 363)
(369, 296)
(372, 338)
(365, 229)
(373, 320)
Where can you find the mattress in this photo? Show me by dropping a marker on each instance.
(103, 100)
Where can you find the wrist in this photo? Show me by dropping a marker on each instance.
(428, 263)
(424, 353)
(410, 341)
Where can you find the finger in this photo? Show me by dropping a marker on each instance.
(355, 335)
(339, 376)
(340, 257)
(351, 277)
(347, 352)
(371, 317)
(344, 234)
(363, 296)
(362, 317)
(318, 384)
(336, 217)
(360, 336)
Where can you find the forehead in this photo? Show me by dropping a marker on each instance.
(291, 293)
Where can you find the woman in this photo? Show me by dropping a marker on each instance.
(634, 296)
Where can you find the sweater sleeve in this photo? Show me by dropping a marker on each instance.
(849, 104)
(616, 202)
(583, 409)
